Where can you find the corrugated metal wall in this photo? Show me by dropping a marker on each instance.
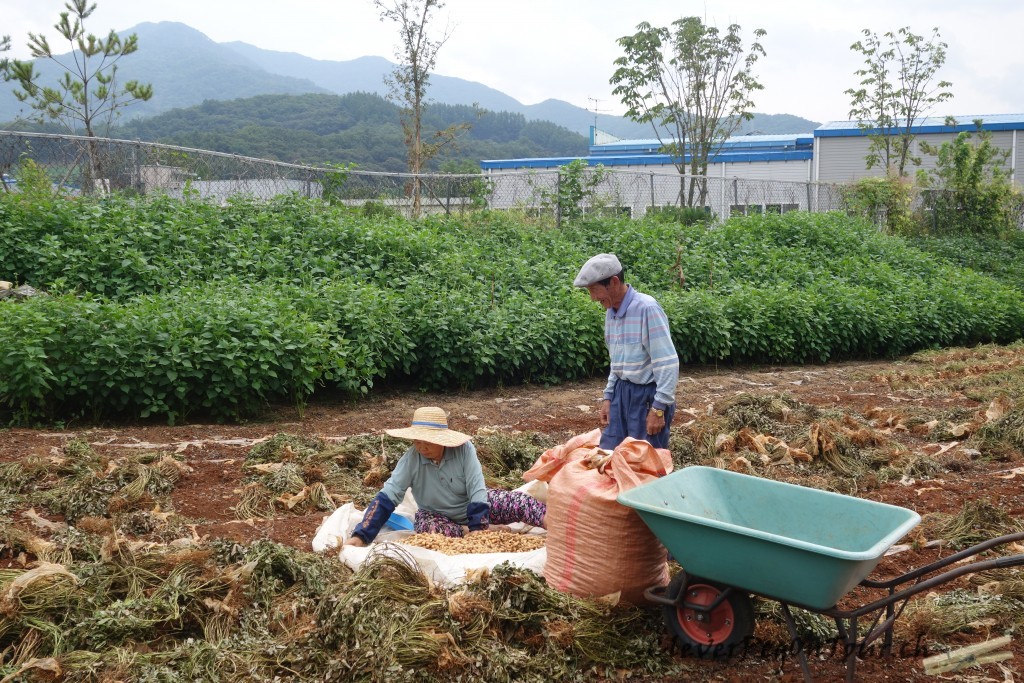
(842, 159)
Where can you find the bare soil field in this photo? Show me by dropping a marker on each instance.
(930, 408)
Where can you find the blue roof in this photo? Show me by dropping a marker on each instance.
(645, 159)
(748, 148)
(742, 148)
(652, 145)
(931, 124)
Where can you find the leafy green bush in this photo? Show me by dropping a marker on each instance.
(684, 215)
(221, 353)
(884, 201)
(999, 257)
(164, 309)
(969, 190)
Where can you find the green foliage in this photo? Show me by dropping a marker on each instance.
(895, 90)
(577, 185)
(374, 209)
(409, 80)
(34, 184)
(692, 81)
(89, 92)
(884, 201)
(359, 128)
(223, 351)
(999, 257)
(969, 191)
(334, 180)
(169, 309)
(469, 182)
(684, 215)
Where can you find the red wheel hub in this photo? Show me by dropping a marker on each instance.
(709, 628)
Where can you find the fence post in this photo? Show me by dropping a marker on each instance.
(558, 199)
(808, 196)
(653, 203)
(724, 212)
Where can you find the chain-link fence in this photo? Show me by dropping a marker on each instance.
(82, 165)
(946, 211)
(636, 193)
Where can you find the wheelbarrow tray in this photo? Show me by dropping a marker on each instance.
(793, 543)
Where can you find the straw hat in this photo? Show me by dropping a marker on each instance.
(431, 425)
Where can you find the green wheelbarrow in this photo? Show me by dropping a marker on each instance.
(737, 535)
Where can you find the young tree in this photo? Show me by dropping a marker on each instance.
(416, 56)
(5, 62)
(969, 189)
(88, 94)
(896, 90)
(693, 84)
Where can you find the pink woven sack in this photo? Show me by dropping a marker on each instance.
(595, 546)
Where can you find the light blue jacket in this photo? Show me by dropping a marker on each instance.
(447, 488)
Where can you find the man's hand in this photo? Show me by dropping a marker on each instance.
(606, 409)
(655, 423)
(356, 541)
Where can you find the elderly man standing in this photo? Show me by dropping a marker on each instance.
(639, 399)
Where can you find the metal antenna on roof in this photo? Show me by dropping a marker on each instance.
(595, 109)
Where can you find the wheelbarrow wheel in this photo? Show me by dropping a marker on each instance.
(711, 634)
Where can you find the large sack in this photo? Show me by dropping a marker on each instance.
(595, 546)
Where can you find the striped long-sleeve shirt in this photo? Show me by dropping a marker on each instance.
(641, 348)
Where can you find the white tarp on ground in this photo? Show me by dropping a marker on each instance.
(443, 569)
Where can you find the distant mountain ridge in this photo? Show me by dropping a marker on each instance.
(187, 68)
(359, 128)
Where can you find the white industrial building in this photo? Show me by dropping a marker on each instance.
(840, 146)
(747, 174)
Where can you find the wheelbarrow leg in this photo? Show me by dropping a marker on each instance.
(850, 639)
(801, 655)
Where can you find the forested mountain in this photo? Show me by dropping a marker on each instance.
(367, 73)
(359, 128)
(186, 68)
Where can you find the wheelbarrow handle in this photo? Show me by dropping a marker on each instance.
(926, 584)
(946, 561)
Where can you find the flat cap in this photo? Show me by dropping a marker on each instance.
(596, 269)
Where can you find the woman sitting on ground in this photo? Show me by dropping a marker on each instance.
(447, 482)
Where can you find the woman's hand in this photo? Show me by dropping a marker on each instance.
(356, 541)
(491, 527)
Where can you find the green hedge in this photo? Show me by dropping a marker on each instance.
(223, 353)
(1001, 258)
(165, 308)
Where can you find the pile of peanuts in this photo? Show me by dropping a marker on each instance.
(485, 542)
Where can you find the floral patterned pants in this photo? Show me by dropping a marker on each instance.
(506, 507)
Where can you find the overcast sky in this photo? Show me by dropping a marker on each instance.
(535, 50)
